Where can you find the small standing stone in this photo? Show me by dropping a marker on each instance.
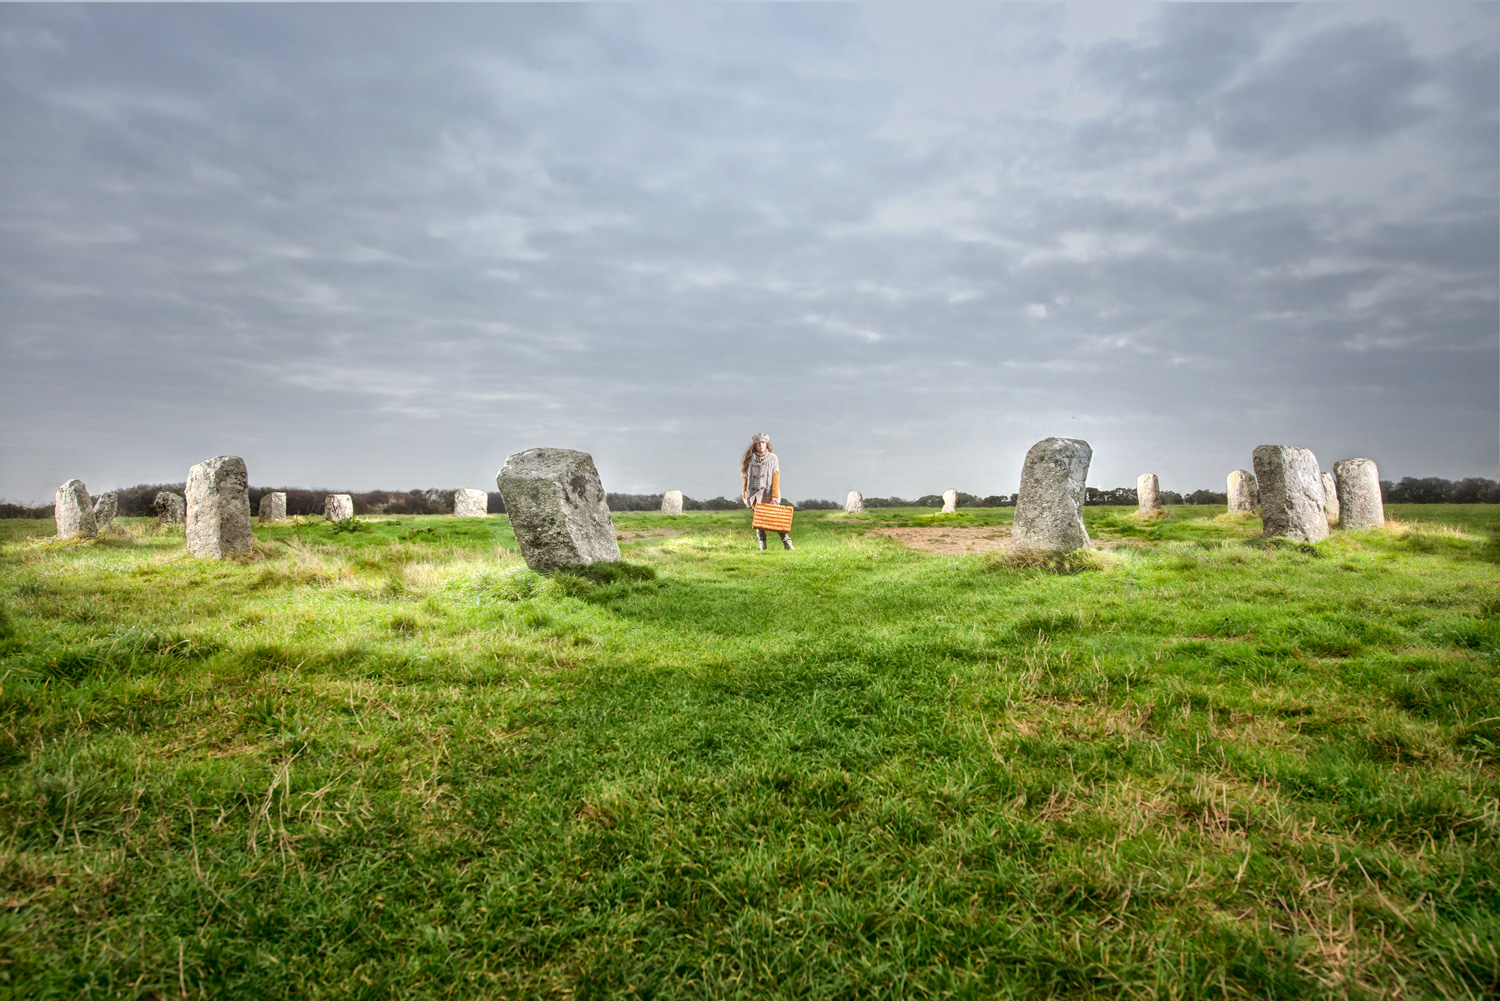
(1291, 493)
(469, 503)
(1049, 508)
(170, 507)
(106, 506)
(557, 508)
(338, 507)
(1330, 499)
(671, 503)
(854, 503)
(73, 512)
(950, 502)
(1358, 485)
(1147, 493)
(218, 508)
(272, 507)
(1244, 493)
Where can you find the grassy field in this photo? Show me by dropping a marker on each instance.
(393, 762)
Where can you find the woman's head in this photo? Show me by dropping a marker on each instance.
(760, 444)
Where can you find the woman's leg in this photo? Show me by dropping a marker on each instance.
(786, 541)
(760, 536)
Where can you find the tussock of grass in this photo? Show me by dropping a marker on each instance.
(1077, 561)
(397, 762)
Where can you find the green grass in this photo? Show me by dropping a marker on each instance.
(397, 763)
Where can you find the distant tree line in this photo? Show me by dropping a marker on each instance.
(136, 501)
(1436, 490)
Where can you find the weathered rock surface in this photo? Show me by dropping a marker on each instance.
(1049, 508)
(1148, 493)
(1244, 493)
(469, 503)
(1358, 486)
(170, 507)
(272, 507)
(74, 512)
(671, 502)
(950, 502)
(1291, 493)
(338, 507)
(854, 503)
(106, 506)
(1330, 499)
(218, 508)
(557, 508)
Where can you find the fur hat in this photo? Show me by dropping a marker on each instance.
(760, 437)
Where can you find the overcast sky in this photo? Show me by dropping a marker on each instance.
(387, 246)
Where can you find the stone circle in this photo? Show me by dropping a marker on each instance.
(470, 503)
(170, 507)
(106, 507)
(1147, 493)
(338, 507)
(557, 508)
(1049, 508)
(74, 512)
(1291, 493)
(272, 507)
(1330, 498)
(1358, 485)
(218, 508)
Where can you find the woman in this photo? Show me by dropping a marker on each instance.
(761, 473)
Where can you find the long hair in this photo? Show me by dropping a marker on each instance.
(750, 454)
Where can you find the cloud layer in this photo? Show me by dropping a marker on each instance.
(387, 246)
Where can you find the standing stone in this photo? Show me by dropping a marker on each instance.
(170, 508)
(557, 508)
(272, 507)
(218, 508)
(73, 512)
(671, 503)
(1244, 493)
(1049, 508)
(1358, 486)
(1330, 499)
(950, 502)
(338, 507)
(1291, 493)
(469, 503)
(854, 503)
(106, 506)
(1147, 493)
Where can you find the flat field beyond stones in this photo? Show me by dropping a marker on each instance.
(392, 762)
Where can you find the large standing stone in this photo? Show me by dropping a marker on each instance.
(1049, 508)
(338, 507)
(218, 508)
(1147, 493)
(950, 502)
(272, 507)
(854, 503)
(469, 503)
(1358, 485)
(106, 506)
(73, 511)
(557, 508)
(1291, 493)
(671, 502)
(1330, 498)
(1244, 493)
(170, 507)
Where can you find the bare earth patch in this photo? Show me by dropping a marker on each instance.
(951, 539)
(962, 539)
(626, 535)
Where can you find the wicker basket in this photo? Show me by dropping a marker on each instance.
(775, 517)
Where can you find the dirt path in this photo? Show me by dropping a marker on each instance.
(951, 539)
(627, 535)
